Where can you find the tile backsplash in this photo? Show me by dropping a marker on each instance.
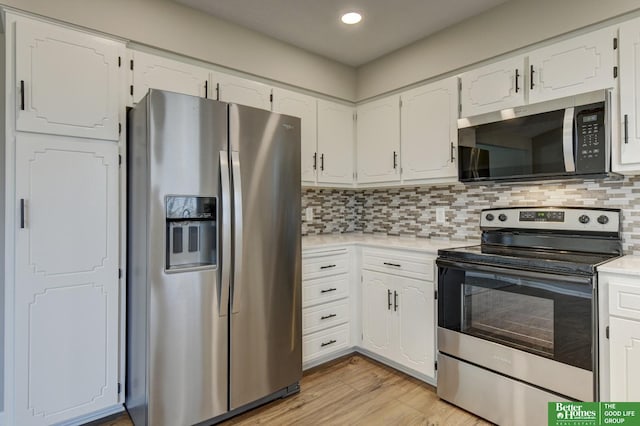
(412, 211)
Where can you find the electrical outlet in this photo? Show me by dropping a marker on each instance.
(440, 215)
(308, 214)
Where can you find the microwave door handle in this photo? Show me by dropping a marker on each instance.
(237, 237)
(567, 141)
(225, 268)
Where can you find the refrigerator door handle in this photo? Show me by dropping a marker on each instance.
(225, 268)
(237, 237)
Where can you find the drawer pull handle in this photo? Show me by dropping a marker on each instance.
(330, 342)
(328, 316)
(328, 290)
(395, 300)
(397, 265)
(388, 300)
(327, 266)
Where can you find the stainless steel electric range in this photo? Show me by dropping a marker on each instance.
(517, 315)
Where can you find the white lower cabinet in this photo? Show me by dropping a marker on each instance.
(326, 307)
(66, 315)
(624, 360)
(398, 320)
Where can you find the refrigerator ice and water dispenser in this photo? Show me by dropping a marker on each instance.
(190, 232)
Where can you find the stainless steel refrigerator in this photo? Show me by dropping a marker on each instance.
(214, 273)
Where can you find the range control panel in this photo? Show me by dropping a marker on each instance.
(552, 218)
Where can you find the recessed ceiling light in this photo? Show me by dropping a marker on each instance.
(351, 18)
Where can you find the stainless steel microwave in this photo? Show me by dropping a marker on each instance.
(565, 138)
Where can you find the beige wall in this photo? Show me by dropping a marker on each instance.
(180, 29)
(510, 26)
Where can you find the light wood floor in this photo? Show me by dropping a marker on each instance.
(353, 391)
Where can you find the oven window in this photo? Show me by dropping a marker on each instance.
(546, 315)
(517, 320)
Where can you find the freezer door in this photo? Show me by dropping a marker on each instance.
(266, 337)
(175, 220)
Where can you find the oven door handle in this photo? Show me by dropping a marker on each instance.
(573, 279)
(567, 140)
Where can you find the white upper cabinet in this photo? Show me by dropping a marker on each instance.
(629, 152)
(67, 82)
(298, 105)
(335, 143)
(156, 72)
(241, 91)
(429, 131)
(378, 136)
(493, 87)
(570, 67)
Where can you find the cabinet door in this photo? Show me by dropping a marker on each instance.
(493, 87)
(578, 65)
(429, 130)
(624, 363)
(377, 313)
(415, 346)
(378, 135)
(67, 82)
(335, 143)
(156, 72)
(241, 91)
(298, 105)
(630, 92)
(66, 292)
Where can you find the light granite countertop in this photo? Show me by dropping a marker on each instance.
(427, 245)
(627, 265)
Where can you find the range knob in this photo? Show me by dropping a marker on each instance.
(502, 217)
(603, 219)
(584, 219)
(489, 217)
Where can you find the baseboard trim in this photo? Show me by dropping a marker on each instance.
(430, 380)
(96, 415)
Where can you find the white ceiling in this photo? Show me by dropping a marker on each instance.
(315, 25)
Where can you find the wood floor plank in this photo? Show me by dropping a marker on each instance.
(353, 390)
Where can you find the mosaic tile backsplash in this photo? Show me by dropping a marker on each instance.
(412, 211)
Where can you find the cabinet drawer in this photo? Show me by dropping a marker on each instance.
(395, 262)
(624, 300)
(325, 342)
(325, 316)
(323, 290)
(323, 264)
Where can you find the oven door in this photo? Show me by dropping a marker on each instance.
(534, 326)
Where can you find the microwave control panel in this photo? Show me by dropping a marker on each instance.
(590, 149)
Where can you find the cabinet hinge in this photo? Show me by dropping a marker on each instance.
(606, 332)
(206, 89)
(131, 64)
(217, 91)
(119, 273)
(119, 128)
(119, 388)
(435, 365)
(119, 61)
(131, 90)
(615, 43)
(615, 72)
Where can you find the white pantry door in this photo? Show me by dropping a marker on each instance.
(66, 288)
